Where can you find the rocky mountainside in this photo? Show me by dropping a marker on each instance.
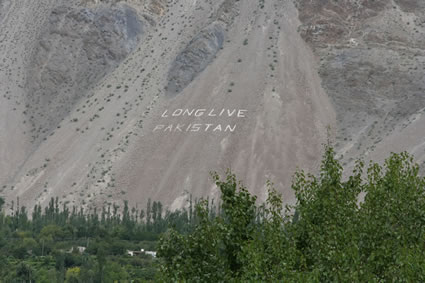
(372, 65)
(102, 101)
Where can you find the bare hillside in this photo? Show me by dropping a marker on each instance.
(372, 65)
(102, 101)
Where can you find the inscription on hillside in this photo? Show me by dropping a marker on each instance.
(204, 120)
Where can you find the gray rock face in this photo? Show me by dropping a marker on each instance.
(79, 47)
(4, 6)
(200, 52)
(412, 6)
(202, 49)
(374, 82)
(372, 60)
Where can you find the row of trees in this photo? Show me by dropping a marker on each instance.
(152, 220)
(44, 247)
(369, 227)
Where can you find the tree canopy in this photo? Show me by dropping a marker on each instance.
(369, 226)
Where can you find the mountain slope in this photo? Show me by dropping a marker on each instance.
(372, 64)
(209, 86)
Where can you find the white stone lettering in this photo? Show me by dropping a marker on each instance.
(230, 129)
(230, 113)
(178, 128)
(211, 114)
(208, 120)
(196, 127)
(200, 112)
(177, 112)
(218, 128)
(241, 113)
(188, 112)
(207, 126)
(158, 127)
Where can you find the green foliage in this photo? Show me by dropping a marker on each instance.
(73, 275)
(44, 248)
(212, 252)
(367, 227)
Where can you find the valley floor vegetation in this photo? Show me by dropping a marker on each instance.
(58, 244)
(368, 227)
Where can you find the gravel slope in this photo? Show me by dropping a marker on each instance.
(115, 141)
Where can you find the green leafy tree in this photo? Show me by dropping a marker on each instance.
(24, 272)
(72, 275)
(367, 227)
(213, 252)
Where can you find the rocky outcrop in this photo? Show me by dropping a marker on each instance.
(412, 6)
(4, 6)
(200, 52)
(372, 64)
(78, 48)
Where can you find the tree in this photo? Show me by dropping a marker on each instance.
(72, 275)
(367, 227)
(213, 251)
(24, 272)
